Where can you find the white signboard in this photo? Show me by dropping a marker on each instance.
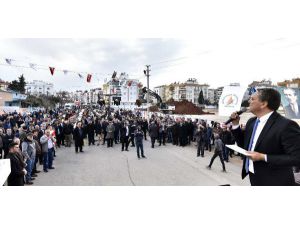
(4, 170)
(231, 100)
(170, 107)
(9, 109)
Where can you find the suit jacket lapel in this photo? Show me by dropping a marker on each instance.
(266, 128)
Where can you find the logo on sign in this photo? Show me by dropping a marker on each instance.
(230, 100)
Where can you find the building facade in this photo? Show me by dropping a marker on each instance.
(11, 98)
(294, 83)
(38, 87)
(3, 85)
(5, 97)
(188, 90)
(161, 91)
(211, 93)
(122, 90)
(218, 93)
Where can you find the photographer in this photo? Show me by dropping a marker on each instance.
(138, 134)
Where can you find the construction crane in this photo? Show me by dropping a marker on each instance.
(155, 95)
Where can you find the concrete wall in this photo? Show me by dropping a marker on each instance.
(5, 96)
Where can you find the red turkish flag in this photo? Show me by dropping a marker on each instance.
(52, 70)
(88, 78)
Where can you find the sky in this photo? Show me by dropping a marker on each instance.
(219, 46)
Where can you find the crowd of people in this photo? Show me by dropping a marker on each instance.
(32, 138)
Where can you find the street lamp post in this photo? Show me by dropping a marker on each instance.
(146, 72)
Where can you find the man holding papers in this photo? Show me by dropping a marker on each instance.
(272, 141)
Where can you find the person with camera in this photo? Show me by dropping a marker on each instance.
(138, 135)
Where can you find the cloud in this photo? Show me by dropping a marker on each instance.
(218, 62)
(101, 56)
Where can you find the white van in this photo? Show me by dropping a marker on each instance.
(69, 105)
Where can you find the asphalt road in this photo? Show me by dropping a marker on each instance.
(164, 166)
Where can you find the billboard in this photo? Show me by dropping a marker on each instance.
(290, 101)
(231, 100)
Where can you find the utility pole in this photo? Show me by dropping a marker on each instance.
(147, 75)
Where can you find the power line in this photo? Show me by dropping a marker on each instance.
(44, 67)
(181, 58)
(163, 67)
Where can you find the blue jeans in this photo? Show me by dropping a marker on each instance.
(29, 167)
(225, 152)
(170, 137)
(45, 160)
(50, 157)
(139, 146)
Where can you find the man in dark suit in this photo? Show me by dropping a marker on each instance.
(78, 136)
(153, 133)
(272, 140)
(124, 132)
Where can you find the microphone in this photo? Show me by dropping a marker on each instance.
(239, 113)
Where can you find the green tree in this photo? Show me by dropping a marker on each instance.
(41, 101)
(63, 97)
(14, 85)
(201, 98)
(18, 86)
(22, 84)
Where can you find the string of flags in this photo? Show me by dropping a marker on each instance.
(88, 78)
(52, 69)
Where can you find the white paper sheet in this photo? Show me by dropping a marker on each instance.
(238, 149)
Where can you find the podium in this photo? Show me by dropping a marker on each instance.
(4, 170)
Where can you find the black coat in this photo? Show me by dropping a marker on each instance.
(123, 133)
(145, 125)
(58, 130)
(182, 131)
(98, 128)
(7, 139)
(153, 131)
(68, 129)
(117, 127)
(90, 128)
(280, 140)
(16, 177)
(226, 137)
(104, 125)
(78, 136)
(175, 130)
